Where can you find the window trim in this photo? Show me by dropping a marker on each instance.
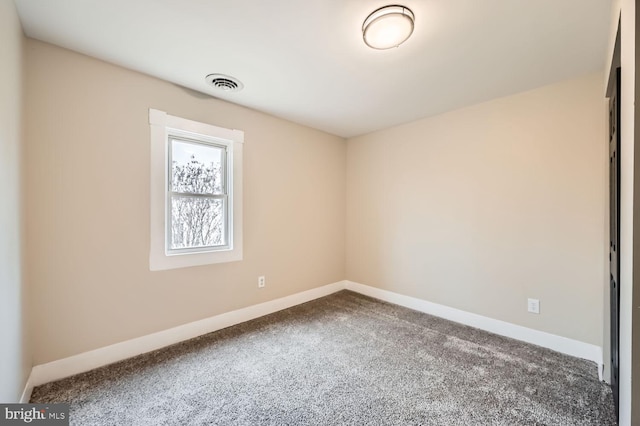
(162, 126)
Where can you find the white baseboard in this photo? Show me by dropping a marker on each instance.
(86, 361)
(551, 341)
(28, 388)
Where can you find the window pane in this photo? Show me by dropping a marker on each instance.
(196, 222)
(196, 168)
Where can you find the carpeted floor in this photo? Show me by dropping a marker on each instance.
(345, 359)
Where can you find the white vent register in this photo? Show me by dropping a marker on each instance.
(224, 82)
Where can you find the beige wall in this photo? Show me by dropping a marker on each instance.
(87, 152)
(481, 208)
(15, 359)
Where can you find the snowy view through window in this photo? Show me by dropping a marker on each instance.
(197, 195)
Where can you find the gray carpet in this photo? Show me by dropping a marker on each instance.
(345, 359)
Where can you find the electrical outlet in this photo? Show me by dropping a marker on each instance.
(261, 282)
(533, 306)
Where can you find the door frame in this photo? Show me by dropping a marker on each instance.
(612, 308)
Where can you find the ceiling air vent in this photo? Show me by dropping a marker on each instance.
(225, 83)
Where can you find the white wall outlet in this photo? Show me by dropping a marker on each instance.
(533, 306)
(261, 282)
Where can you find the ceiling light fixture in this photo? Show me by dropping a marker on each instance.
(388, 27)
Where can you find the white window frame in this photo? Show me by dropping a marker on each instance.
(175, 135)
(162, 127)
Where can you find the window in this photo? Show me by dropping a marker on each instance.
(196, 193)
(197, 196)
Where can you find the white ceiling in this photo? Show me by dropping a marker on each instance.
(304, 60)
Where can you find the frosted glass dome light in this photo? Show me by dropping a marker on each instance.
(388, 27)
